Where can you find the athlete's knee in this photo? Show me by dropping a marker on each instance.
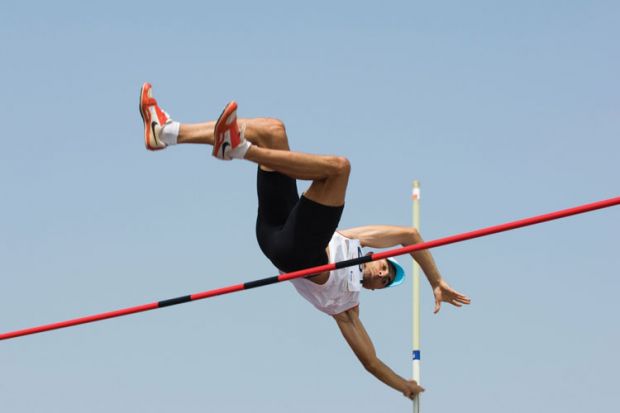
(276, 127)
(341, 165)
(276, 133)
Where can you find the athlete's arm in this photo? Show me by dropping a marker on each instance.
(355, 334)
(385, 236)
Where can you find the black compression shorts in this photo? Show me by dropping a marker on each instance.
(292, 231)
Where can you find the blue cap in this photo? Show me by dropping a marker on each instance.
(399, 275)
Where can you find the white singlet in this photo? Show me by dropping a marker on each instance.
(341, 291)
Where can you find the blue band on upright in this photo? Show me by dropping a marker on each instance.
(416, 355)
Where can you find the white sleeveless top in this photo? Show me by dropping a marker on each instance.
(341, 291)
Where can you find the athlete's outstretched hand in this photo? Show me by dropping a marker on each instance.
(443, 292)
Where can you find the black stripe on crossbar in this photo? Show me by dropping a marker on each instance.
(354, 261)
(174, 301)
(260, 283)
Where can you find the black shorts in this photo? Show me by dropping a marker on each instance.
(292, 231)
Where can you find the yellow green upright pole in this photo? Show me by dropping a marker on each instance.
(415, 196)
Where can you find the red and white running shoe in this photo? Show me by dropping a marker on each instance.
(154, 119)
(227, 134)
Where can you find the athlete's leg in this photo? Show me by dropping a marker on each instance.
(263, 132)
(271, 151)
(269, 134)
(330, 174)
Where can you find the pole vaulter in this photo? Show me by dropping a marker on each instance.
(318, 269)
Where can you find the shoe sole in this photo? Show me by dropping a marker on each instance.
(228, 110)
(146, 119)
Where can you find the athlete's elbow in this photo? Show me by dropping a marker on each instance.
(371, 364)
(413, 235)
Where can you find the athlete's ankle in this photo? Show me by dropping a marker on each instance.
(170, 133)
(240, 151)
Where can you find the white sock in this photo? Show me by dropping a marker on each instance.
(170, 133)
(240, 151)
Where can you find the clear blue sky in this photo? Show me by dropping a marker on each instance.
(501, 109)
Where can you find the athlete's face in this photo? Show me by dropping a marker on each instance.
(377, 274)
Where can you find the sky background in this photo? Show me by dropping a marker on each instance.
(502, 110)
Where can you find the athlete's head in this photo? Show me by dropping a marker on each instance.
(382, 274)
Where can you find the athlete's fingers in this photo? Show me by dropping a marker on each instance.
(465, 300)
